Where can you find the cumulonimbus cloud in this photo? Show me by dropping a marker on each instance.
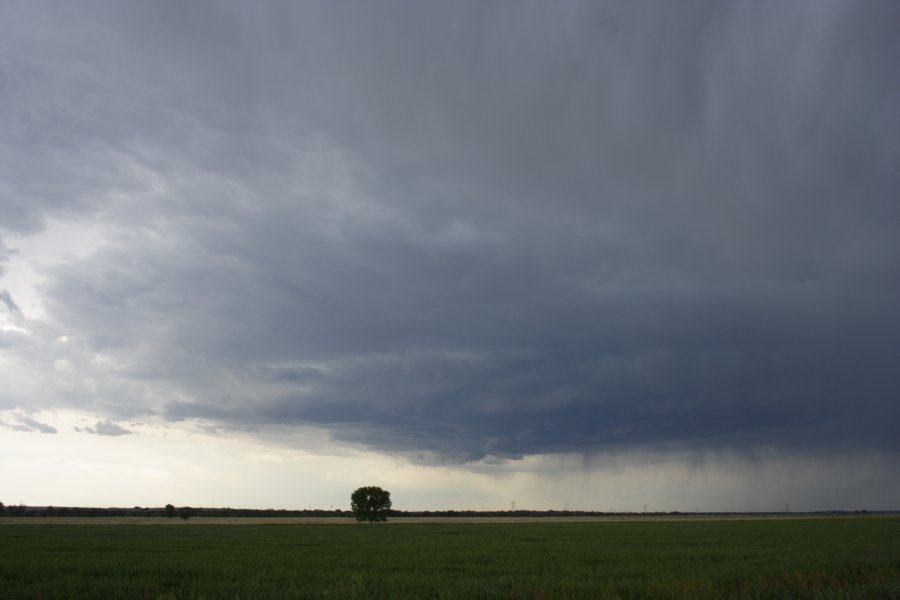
(468, 231)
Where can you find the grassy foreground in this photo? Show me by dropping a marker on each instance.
(790, 558)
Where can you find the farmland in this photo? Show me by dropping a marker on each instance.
(843, 557)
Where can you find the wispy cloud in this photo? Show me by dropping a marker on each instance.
(22, 422)
(106, 427)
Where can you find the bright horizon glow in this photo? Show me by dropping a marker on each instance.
(185, 464)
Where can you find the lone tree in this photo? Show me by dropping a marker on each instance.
(185, 512)
(170, 511)
(370, 503)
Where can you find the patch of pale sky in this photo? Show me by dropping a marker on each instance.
(184, 464)
(58, 243)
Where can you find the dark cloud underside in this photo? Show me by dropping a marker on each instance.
(473, 228)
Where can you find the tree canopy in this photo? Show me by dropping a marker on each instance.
(370, 503)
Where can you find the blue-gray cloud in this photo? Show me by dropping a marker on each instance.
(107, 428)
(471, 229)
(23, 422)
(8, 304)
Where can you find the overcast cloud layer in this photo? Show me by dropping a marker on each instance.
(458, 229)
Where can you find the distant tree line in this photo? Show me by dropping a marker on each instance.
(22, 510)
(171, 512)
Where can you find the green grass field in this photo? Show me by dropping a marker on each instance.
(785, 558)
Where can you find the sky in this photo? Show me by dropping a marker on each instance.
(598, 255)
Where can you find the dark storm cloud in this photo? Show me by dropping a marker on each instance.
(474, 229)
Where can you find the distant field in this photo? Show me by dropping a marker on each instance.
(349, 520)
(752, 558)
